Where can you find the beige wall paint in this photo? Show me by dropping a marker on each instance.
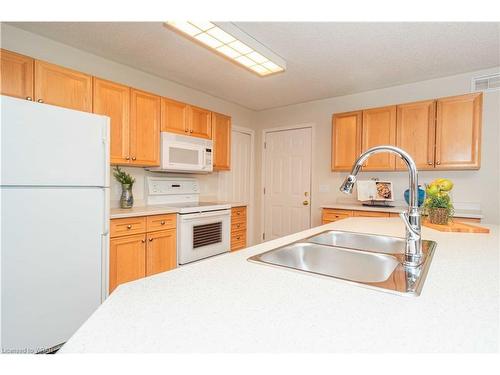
(471, 188)
(17, 40)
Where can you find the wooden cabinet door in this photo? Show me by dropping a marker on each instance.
(174, 116)
(458, 132)
(346, 140)
(145, 110)
(161, 253)
(416, 130)
(62, 87)
(127, 259)
(379, 128)
(200, 122)
(16, 75)
(113, 100)
(221, 126)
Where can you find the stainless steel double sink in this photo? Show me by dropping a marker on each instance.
(367, 260)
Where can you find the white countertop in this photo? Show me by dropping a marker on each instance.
(117, 213)
(473, 214)
(227, 304)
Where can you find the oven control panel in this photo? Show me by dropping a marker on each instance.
(164, 190)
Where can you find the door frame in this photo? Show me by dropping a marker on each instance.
(251, 202)
(305, 125)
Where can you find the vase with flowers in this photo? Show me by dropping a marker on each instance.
(127, 181)
(438, 205)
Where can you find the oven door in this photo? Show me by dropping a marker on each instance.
(202, 235)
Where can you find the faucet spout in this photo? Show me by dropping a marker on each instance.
(412, 220)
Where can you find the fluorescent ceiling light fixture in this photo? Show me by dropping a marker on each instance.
(231, 42)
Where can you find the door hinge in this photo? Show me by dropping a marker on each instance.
(263, 236)
(265, 144)
(264, 190)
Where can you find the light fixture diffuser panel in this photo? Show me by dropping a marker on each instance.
(234, 44)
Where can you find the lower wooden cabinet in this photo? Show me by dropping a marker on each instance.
(134, 256)
(238, 228)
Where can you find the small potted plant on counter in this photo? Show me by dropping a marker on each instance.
(437, 204)
(127, 181)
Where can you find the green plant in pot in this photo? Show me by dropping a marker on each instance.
(437, 204)
(127, 181)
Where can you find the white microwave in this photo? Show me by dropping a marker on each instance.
(180, 153)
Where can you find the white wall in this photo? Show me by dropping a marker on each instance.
(18, 40)
(471, 187)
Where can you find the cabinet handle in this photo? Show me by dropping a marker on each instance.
(127, 158)
(143, 241)
(429, 162)
(151, 240)
(133, 158)
(162, 222)
(40, 100)
(190, 130)
(438, 162)
(238, 237)
(29, 98)
(237, 225)
(129, 226)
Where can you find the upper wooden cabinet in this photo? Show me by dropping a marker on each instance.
(145, 113)
(113, 100)
(16, 75)
(458, 132)
(200, 122)
(379, 128)
(221, 129)
(62, 87)
(416, 128)
(174, 116)
(346, 139)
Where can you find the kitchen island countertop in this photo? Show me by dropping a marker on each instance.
(227, 304)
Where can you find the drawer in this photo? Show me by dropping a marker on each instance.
(467, 219)
(238, 226)
(334, 215)
(128, 225)
(240, 235)
(237, 212)
(161, 222)
(236, 245)
(371, 214)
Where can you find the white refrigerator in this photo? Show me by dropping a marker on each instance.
(54, 222)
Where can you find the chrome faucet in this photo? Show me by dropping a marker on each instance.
(411, 218)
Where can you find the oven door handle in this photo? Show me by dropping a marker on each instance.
(199, 215)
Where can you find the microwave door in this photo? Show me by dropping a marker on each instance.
(185, 156)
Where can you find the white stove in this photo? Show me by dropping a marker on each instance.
(203, 228)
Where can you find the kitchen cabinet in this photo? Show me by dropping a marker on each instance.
(62, 87)
(127, 259)
(145, 112)
(16, 75)
(160, 252)
(238, 228)
(357, 213)
(330, 215)
(174, 116)
(416, 129)
(221, 126)
(346, 139)
(200, 122)
(379, 128)
(141, 246)
(458, 132)
(113, 100)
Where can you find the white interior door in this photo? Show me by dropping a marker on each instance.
(236, 184)
(287, 166)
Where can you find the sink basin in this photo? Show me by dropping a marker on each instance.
(361, 241)
(367, 260)
(338, 262)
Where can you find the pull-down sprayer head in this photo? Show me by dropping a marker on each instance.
(348, 184)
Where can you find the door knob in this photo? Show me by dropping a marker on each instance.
(305, 203)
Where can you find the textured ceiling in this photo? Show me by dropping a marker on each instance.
(323, 59)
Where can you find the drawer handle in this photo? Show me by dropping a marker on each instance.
(238, 213)
(162, 222)
(237, 225)
(129, 226)
(238, 237)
